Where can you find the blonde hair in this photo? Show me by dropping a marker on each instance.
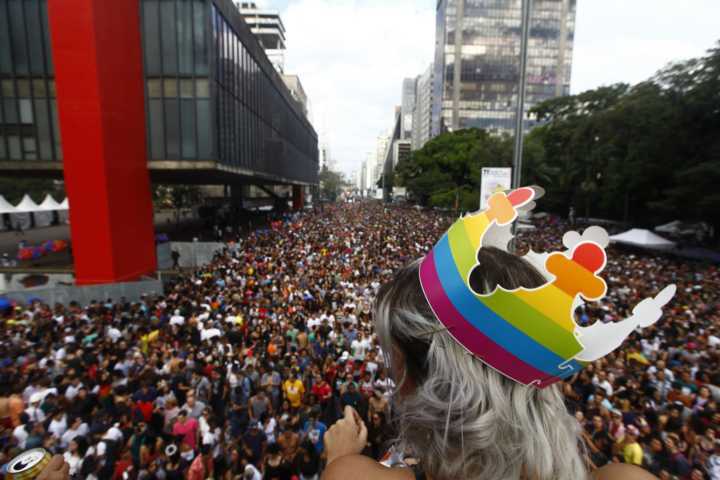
(461, 419)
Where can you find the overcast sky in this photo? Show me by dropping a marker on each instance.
(352, 55)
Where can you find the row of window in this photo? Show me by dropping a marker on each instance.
(29, 128)
(258, 127)
(24, 38)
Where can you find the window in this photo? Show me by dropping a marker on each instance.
(168, 37)
(185, 37)
(188, 129)
(200, 40)
(43, 129)
(172, 128)
(157, 143)
(151, 37)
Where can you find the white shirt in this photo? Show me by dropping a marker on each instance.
(177, 320)
(21, 436)
(72, 391)
(114, 334)
(70, 434)
(58, 427)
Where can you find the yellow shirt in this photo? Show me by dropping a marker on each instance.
(633, 453)
(294, 390)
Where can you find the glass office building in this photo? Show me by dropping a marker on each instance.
(477, 60)
(28, 109)
(212, 96)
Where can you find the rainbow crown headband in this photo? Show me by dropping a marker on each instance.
(528, 335)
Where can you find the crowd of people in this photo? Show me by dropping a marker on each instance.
(239, 369)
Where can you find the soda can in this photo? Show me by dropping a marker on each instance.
(28, 465)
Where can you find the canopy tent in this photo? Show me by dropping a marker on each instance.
(639, 237)
(5, 206)
(671, 227)
(26, 205)
(48, 205)
(64, 205)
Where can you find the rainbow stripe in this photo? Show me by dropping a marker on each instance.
(528, 335)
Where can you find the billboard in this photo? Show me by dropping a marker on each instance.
(494, 180)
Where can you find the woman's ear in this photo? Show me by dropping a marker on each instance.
(405, 383)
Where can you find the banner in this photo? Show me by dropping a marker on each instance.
(494, 180)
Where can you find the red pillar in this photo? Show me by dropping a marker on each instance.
(298, 197)
(99, 79)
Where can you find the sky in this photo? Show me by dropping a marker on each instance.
(352, 55)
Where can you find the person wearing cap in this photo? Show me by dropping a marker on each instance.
(632, 451)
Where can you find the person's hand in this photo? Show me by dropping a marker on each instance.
(57, 469)
(347, 437)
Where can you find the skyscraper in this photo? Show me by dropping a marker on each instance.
(421, 114)
(477, 60)
(407, 106)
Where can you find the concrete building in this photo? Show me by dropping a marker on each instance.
(407, 106)
(477, 53)
(269, 30)
(292, 82)
(422, 113)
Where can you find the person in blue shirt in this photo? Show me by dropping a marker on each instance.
(314, 430)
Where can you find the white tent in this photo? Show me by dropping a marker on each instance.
(48, 205)
(5, 206)
(65, 205)
(26, 205)
(672, 227)
(639, 237)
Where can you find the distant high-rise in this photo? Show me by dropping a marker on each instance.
(407, 106)
(477, 69)
(421, 124)
(269, 30)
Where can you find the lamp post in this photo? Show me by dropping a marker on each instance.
(522, 84)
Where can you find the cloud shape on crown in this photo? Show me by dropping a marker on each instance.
(528, 335)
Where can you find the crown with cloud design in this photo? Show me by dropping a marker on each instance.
(528, 335)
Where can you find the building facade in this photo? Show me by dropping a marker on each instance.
(194, 99)
(477, 60)
(423, 108)
(407, 106)
(269, 30)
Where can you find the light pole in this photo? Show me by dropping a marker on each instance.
(522, 84)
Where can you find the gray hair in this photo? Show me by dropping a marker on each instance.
(460, 418)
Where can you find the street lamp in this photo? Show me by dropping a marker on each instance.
(522, 84)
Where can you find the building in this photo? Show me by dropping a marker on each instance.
(422, 116)
(407, 106)
(269, 30)
(477, 60)
(292, 82)
(194, 100)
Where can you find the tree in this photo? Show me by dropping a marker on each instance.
(448, 167)
(645, 153)
(331, 184)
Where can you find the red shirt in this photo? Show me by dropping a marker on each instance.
(321, 391)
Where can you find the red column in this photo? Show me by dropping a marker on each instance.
(298, 197)
(99, 79)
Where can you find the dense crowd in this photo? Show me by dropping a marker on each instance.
(240, 368)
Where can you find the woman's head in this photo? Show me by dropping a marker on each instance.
(460, 417)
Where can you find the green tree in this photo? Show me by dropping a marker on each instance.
(448, 167)
(331, 184)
